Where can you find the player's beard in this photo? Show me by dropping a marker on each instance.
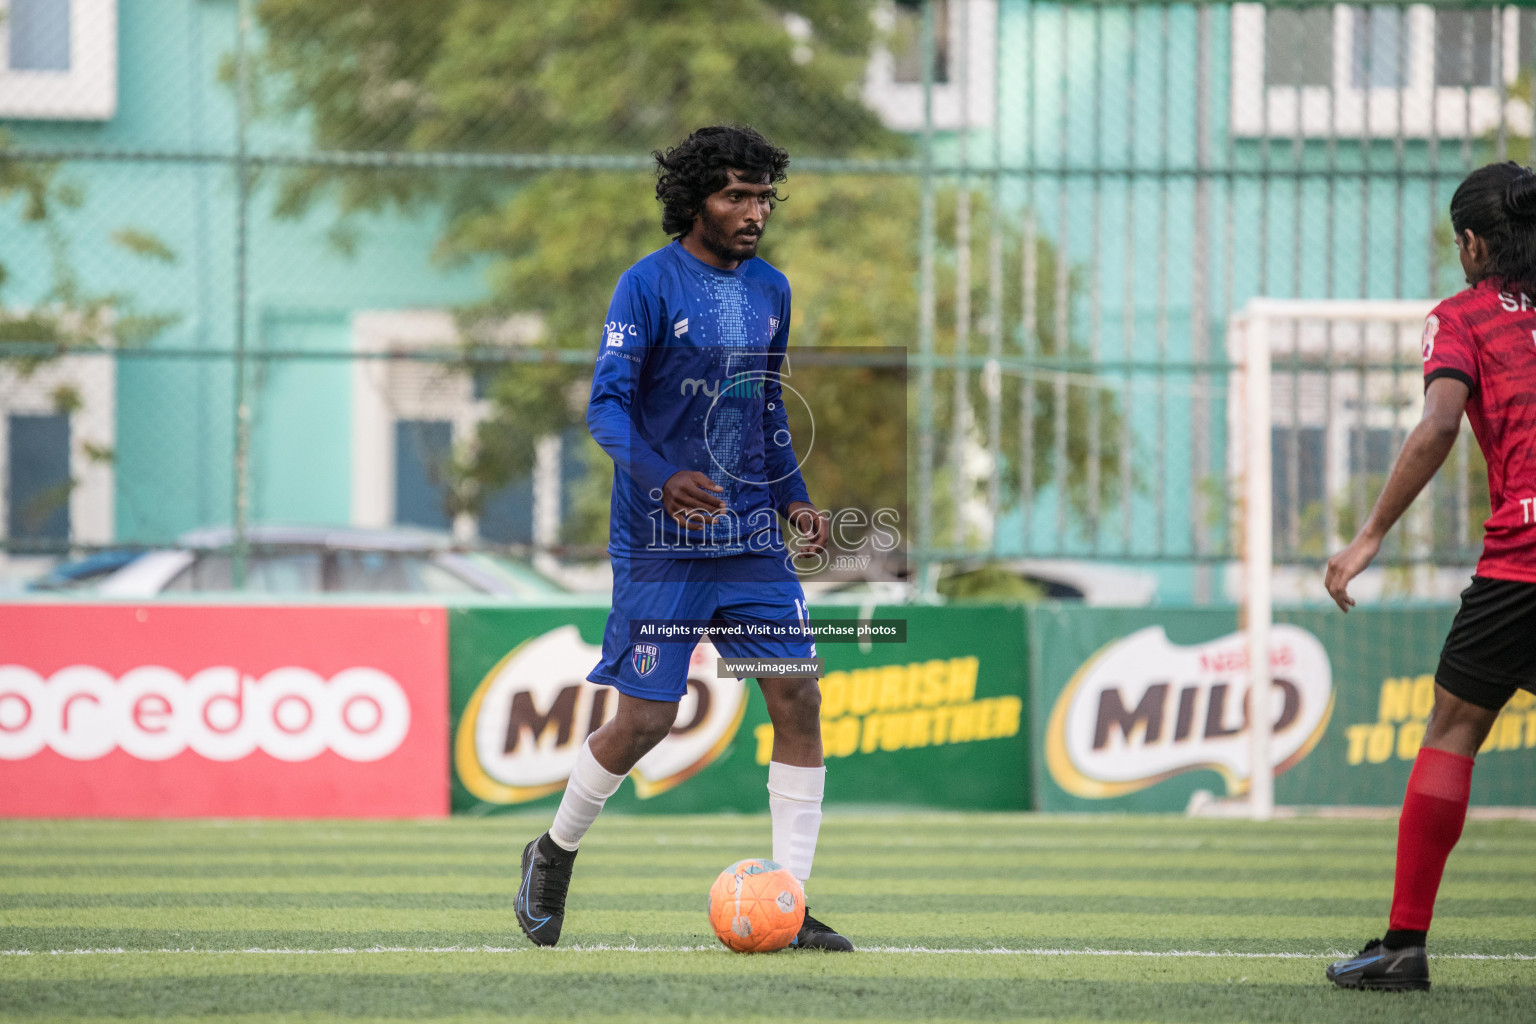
(726, 247)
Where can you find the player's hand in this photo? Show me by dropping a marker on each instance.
(813, 526)
(690, 498)
(1348, 564)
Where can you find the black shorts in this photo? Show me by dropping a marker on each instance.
(1491, 650)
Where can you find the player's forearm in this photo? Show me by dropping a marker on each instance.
(786, 485)
(788, 492)
(1422, 456)
(614, 432)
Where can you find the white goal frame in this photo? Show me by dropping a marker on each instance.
(1249, 347)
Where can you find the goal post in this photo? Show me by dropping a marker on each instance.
(1258, 532)
(1369, 341)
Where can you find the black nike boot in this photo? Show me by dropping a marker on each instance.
(1377, 967)
(541, 897)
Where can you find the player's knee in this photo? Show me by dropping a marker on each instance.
(655, 726)
(794, 701)
(1457, 725)
(652, 734)
(641, 728)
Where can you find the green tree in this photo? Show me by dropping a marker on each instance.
(598, 77)
(67, 315)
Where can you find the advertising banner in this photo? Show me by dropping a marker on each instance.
(170, 711)
(1138, 709)
(937, 720)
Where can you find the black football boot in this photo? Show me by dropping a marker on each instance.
(815, 935)
(1377, 967)
(540, 901)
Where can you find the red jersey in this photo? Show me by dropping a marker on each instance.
(1485, 337)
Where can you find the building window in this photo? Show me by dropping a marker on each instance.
(422, 451)
(1471, 49)
(1331, 71)
(964, 64)
(57, 441)
(410, 416)
(58, 59)
(1298, 46)
(39, 483)
(1380, 56)
(1464, 52)
(906, 42)
(39, 35)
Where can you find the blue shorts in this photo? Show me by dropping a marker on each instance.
(744, 588)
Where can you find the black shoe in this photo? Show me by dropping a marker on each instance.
(541, 898)
(815, 935)
(1377, 967)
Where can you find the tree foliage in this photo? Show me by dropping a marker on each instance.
(36, 199)
(625, 77)
(68, 315)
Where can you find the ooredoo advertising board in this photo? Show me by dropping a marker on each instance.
(168, 711)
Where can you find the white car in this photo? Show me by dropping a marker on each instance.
(300, 560)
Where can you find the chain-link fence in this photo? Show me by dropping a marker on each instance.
(344, 263)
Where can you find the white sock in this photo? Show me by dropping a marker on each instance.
(794, 801)
(590, 787)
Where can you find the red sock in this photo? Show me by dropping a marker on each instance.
(1434, 809)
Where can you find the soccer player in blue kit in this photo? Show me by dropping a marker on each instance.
(686, 400)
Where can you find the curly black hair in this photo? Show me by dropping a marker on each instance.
(699, 166)
(1498, 203)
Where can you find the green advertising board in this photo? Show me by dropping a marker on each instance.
(938, 720)
(1138, 709)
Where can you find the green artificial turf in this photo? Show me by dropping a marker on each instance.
(959, 918)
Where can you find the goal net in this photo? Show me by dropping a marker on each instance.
(1323, 396)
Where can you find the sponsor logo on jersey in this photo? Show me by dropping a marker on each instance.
(693, 385)
(617, 331)
(531, 714)
(1144, 709)
(680, 328)
(773, 325)
(645, 657)
(153, 714)
(1431, 328)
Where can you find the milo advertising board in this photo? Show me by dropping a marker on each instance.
(1137, 709)
(937, 720)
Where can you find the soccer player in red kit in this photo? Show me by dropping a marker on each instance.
(1479, 358)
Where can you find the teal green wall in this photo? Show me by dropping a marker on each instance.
(1128, 100)
(174, 416)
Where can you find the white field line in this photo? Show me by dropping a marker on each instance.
(604, 948)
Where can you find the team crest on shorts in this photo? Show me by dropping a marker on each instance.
(645, 657)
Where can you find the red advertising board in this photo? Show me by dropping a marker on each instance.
(176, 711)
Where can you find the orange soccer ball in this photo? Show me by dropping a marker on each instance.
(755, 906)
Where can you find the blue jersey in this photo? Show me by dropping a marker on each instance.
(688, 377)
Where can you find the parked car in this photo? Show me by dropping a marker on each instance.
(85, 572)
(1024, 580)
(299, 560)
(1049, 579)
